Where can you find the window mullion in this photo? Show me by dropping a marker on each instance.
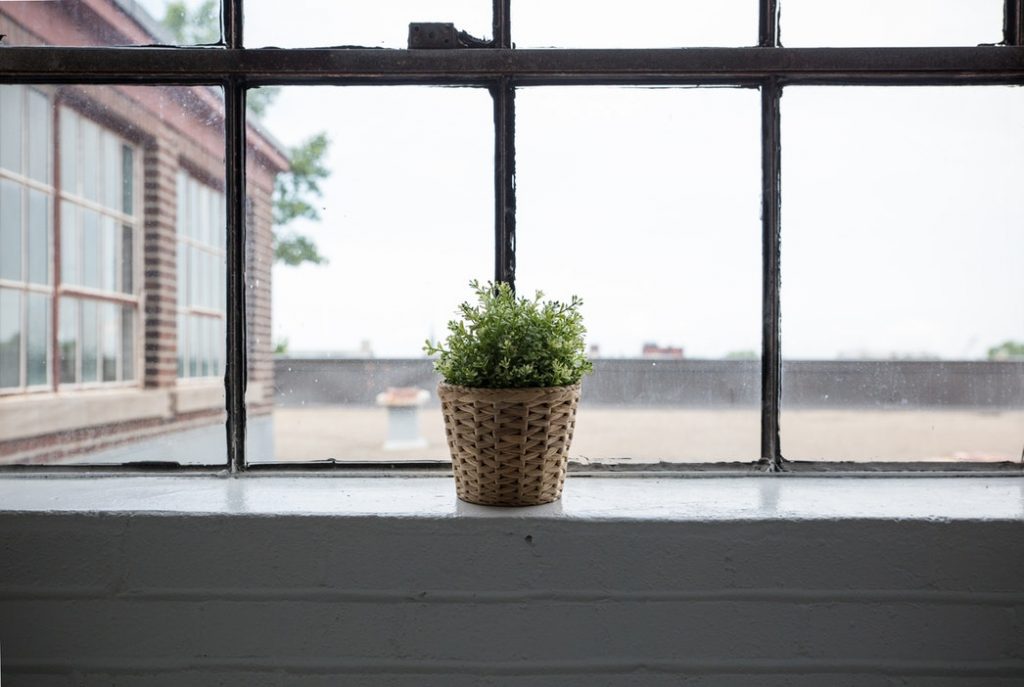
(768, 30)
(502, 24)
(771, 353)
(504, 182)
(1013, 22)
(233, 23)
(235, 358)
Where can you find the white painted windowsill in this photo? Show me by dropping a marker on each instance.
(670, 498)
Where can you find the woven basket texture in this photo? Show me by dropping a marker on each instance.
(509, 447)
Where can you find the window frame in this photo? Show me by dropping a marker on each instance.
(502, 69)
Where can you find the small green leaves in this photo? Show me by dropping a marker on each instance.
(507, 342)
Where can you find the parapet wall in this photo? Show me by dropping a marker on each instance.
(706, 383)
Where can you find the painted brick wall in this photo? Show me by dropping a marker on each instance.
(129, 599)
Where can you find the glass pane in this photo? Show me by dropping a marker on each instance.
(40, 150)
(903, 313)
(10, 338)
(70, 153)
(90, 162)
(114, 362)
(356, 22)
(112, 166)
(11, 109)
(108, 254)
(70, 246)
(667, 261)
(890, 23)
(137, 22)
(68, 340)
(38, 335)
(90, 341)
(128, 343)
(127, 260)
(91, 249)
(38, 237)
(10, 230)
(641, 24)
(406, 220)
(110, 339)
(127, 180)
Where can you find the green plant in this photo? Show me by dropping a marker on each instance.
(507, 342)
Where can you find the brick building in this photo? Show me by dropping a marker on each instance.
(112, 251)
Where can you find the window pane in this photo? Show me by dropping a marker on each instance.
(38, 345)
(140, 22)
(646, 23)
(10, 338)
(11, 128)
(127, 260)
(90, 341)
(91, 249)
(110, 338)
(407, 220)
(10, 230)
(70, 246)
(108, 254)
(127, 180)
(658, 229)
(902, 289)
(38, 237)
(69, 337)
(90, 164)
(111, 165)
(356, 22)
(128, 343)
(890, 23)
(115, 361)
(40, 152)
(70, 153)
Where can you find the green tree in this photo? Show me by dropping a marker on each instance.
(198, 27)
(295, 191)
(1008, 350)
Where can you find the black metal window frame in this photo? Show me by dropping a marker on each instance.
(501, 69)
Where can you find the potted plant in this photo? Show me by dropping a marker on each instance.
(511, 371)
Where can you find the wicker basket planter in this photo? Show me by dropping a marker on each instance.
(509, 447)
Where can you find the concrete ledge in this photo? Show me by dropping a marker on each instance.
(34, 415)
(190, 398)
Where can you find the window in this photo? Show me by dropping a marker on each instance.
(201, 279)
(649, 175)
(99, 302)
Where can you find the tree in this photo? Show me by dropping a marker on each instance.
(293, 192)
(1008, 350)
(296, 190)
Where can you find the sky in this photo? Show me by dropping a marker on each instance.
(901, 206)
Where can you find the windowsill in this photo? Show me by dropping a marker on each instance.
(674, 498)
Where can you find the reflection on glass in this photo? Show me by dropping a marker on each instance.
(902, 307)
(890, 23)
(73, 288)
(643, 24)
(110, 22)
(10, 338)
(647, 203)
(405, 221)
(356, 22)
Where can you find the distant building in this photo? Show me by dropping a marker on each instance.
(112, 249)
(653, 350)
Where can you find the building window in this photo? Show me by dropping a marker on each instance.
(201, 278)
(98, 294)
(26, 233)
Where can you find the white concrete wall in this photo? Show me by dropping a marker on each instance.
(237, 587)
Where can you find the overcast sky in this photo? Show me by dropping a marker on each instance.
(901, 207)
